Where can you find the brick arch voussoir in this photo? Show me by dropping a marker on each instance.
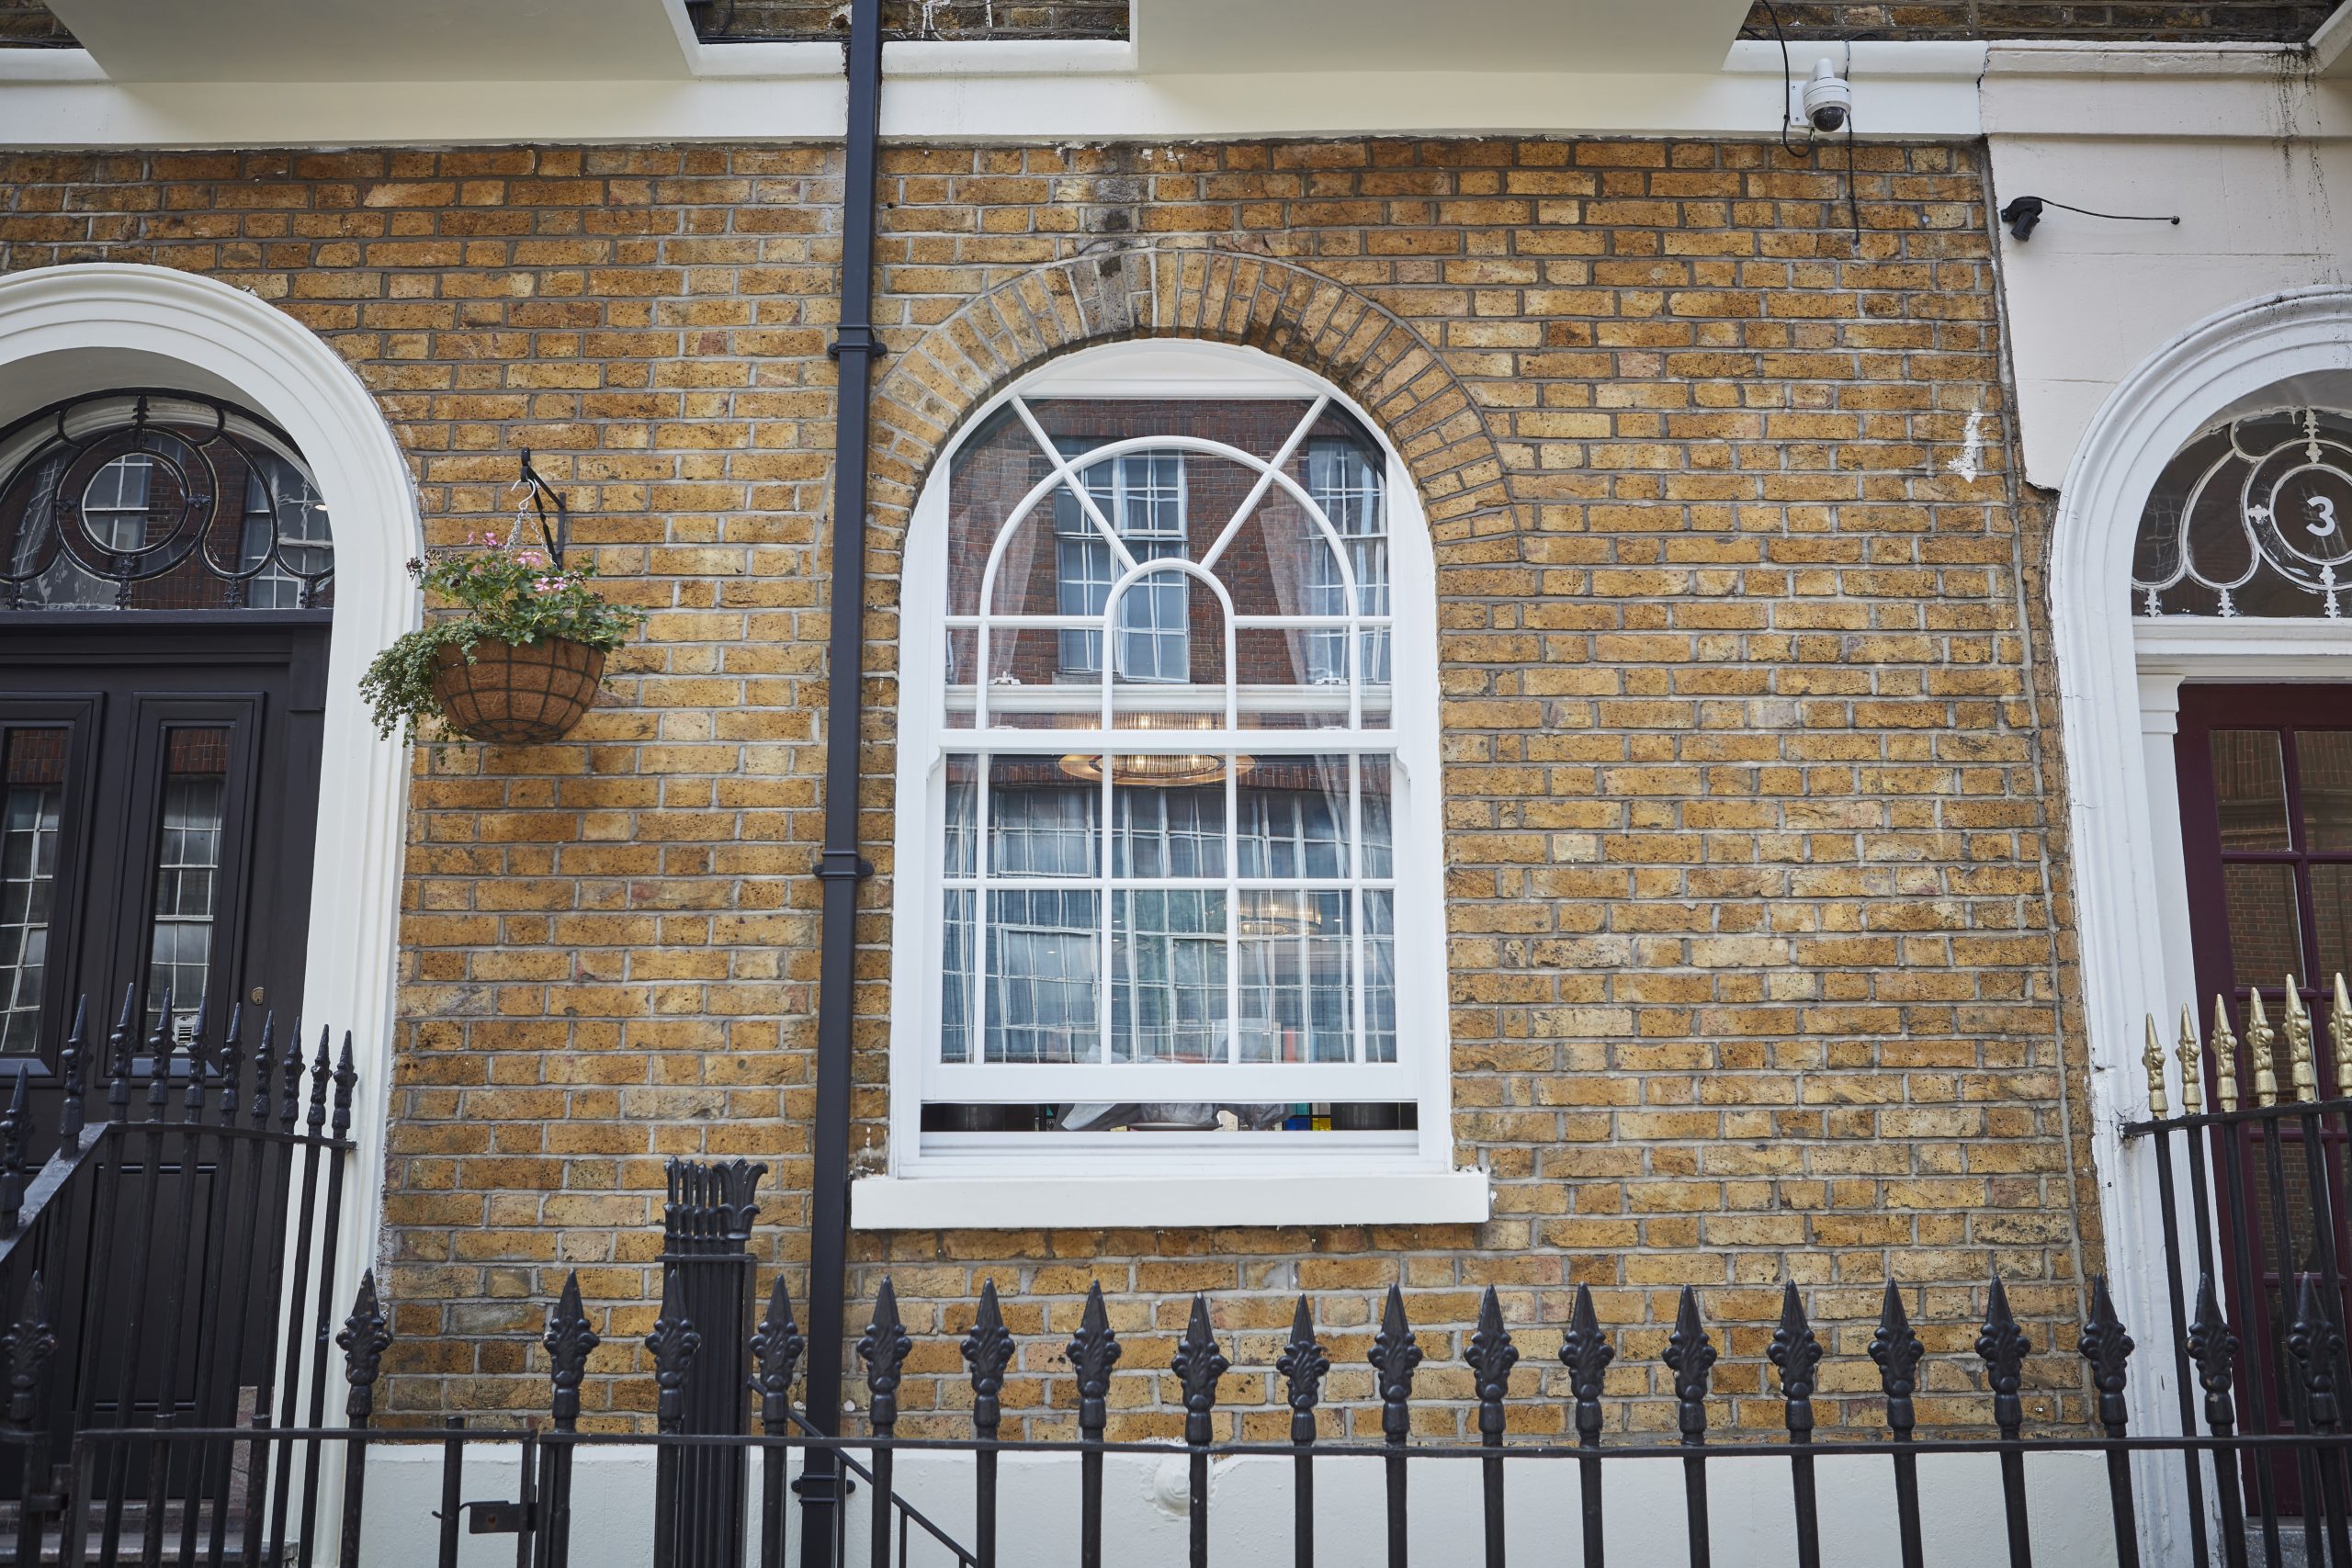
(937, 379)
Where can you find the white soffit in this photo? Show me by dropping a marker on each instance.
(1067, 91)
(374, 40)
(1582, 36)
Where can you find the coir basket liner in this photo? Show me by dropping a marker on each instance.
(516, 696)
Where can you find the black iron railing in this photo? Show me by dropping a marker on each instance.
(2251, 1201)
(541, 1517)
(171, 1267)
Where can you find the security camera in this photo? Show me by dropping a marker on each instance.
(1829, 99)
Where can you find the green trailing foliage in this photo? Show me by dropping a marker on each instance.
(501, 591)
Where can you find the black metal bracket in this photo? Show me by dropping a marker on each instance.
(820, 1487)
(542, 493)
(499, 1518)
(855, 338)
(843, 864)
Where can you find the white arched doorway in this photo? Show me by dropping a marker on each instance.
(76, 329)
(2119, 679)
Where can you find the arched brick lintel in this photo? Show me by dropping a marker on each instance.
(933, 385)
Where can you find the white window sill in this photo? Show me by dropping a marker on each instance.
(1092, 1200)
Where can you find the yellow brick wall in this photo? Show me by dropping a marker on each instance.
(1750, 785)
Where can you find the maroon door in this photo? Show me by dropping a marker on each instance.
(2265, 788)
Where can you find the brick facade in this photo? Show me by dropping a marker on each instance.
(1755, 941)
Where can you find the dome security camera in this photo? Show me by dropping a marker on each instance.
(1829, 99)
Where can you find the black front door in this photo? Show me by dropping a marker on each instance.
(158, 806)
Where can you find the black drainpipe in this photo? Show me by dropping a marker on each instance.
(841, 867)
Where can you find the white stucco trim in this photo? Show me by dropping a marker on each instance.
(1079, 90)
(59, 326)
(2126, 840)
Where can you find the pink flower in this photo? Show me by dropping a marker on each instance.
(527, 557)
(546, 584)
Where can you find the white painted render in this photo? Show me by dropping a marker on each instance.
(976, 92)
(1146, 1523)
(2254, 154)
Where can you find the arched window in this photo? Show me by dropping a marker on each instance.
(1168, 859)
(158, 500)
(2254, 517)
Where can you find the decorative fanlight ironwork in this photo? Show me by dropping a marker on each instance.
(2252, 518)
(155, 500)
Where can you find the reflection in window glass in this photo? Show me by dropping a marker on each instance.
(2265, 936)
(35, 765)
(1344, 479)
(187, 870)
(2332, 917)
(2250, 789)
(2324, 781)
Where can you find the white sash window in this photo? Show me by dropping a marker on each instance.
(1168, 910)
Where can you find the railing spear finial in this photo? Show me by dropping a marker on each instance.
(1303, 1365)
(1198, 1364)
(1584, 1350)
(289, 1104)
(569, 1339)
(2317, 1346)
(1796, 1350)
(776, 1346)
(30, 1343)
(365, 1338)
(1491, 1357)
(2151, 1057)
(2192, 1064)
(2259, 1038)
(2340, 1035)
(72, 1062)
(15, 1127)
(987, 1350)
(672, 1345)
(2108, 1348)
(884, 1348)
(1896, 1350)
(1692, 1355)
(232, 1065)
(2225, 1058)
(160, 1046)
(2213, 1348)
(118, 1059)
(1395, 1354)
(1093, 1351)
(2302, 1076)
(2004, 1347)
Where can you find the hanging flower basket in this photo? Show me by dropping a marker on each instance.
(529, 695)
(518, 662)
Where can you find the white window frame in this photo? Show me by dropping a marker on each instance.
(983, 1180)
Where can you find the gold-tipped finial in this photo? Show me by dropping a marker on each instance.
(2259, 1038)
(2340, 1035)
(2152, 1059)
(2192, 1064)
(2225, 1058)
(2304, 1079)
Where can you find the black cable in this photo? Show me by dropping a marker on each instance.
(1787, 81)
(2118, 217)
(1853, 209)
